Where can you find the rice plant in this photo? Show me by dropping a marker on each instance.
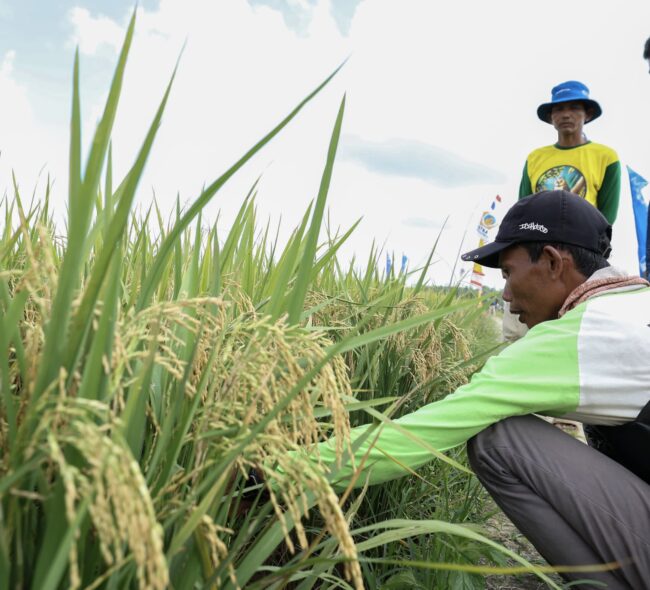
(147, 365)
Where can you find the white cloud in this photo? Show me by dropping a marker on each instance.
(241, 72)
(417, 159)
(93, 32)
(7, 66)
(27, 147)
(423, 223)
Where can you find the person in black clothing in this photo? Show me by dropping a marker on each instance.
(646, 55)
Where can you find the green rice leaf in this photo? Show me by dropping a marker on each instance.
(80, 207)
(205, 197)
(303, 277)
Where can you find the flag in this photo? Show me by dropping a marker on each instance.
(405, 260)
(487, 222)
(390, 262)
(641, 218)
(477, 271)
(647, 247)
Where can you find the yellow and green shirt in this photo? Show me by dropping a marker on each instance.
(591, 170)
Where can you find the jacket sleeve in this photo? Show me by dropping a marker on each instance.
(525, 187)
(538, 373)
(610, 190)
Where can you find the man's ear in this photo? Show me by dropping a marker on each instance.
(554, 259)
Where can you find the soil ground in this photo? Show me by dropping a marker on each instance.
(503, 531)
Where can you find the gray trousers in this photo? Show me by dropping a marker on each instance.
(574, 504)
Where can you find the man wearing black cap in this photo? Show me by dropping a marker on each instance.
(590, 170)
(585, 358)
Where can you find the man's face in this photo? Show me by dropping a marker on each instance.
(533, 289)
(569, 117)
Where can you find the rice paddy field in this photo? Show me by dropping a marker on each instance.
(150, 362)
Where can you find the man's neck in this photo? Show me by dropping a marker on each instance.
(606, 279)
(568, 140)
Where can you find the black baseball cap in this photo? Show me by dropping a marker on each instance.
(558, 217)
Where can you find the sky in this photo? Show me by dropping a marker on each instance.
(440, 105)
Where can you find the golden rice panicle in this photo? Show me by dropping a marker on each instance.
(125, 497)
(70, 478)
(33, 270)
(165, 325)
(218, 551)
(309, 476)
(260, 362)
(334, 398)
(328, 505)
(460, 342)
(120, 508)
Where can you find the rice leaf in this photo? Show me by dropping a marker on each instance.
(297, 300)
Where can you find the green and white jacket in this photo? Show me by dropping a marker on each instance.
(591, 365)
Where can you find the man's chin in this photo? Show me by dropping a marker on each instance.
(530, 323)
(524, 320)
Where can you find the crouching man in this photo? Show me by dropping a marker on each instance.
(587, 358)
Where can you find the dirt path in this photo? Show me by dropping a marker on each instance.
(503, 531)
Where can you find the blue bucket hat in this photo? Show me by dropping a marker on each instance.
(566, 92)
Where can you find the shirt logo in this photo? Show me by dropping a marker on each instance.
(534, 227)
(567, 178)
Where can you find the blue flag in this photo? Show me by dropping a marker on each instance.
(405, 260)
(647, 247)
(641, 217)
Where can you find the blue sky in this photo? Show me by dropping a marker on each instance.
(38, 31)
(43, 57)
(440, 114)
(297, 16)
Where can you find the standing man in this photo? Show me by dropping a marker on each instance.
(646, 52)
(590, 170)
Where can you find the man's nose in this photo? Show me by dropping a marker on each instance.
(507, 295)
